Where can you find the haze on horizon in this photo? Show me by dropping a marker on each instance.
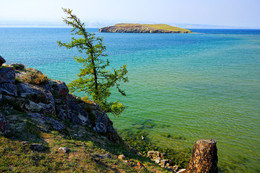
(96, 13)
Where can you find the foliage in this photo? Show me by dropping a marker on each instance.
(94, 78)
(34, 78)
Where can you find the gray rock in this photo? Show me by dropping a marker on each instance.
(60, 87)
(8, 88)
(7, 81)
(2, 60)
(1, 97)
(4, 125)
(101, 122)
(64, 149)
(18, 66)
(40, 98)
(32, 92)
(33, 107)
(74, 118)
(7, 75)
(37, 147)
(54, 123)
(62, 114)
(104, 156)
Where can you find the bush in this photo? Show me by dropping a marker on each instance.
(34, 78)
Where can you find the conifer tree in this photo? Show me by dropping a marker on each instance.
(94, 79)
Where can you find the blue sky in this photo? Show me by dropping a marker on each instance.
(187, 13)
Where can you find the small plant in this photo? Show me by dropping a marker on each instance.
(34, 78)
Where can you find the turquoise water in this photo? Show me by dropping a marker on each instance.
(191, 86)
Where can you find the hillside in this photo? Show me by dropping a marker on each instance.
(43, 128)
(143, 28)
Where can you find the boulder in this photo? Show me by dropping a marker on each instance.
(60, 87)
(101, 122)
(74, 118)
(33, 107)
(39, 98)
(8, 88)
(7, 81)
(4, 125)
(64, 149)
(41, 118)
(7, 75)
(32, 92)
(2, 61)
(37, 147)
(62, 114)
(18, 66)
(104, 156)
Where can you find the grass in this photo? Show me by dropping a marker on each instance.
(83, 155)
(154, 27)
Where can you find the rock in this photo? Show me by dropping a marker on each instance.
(7, 75)
(64, 149)
(4, 125)
(62, 114)
(164, 162)
(18, 66)
(77, 111)
(182, 171)
(54, 123)
(101, 122)
(157, 160)
(74, 118)
(25, 142)
(60, 87)
(33, 107)
(121, 157)
(104, 156)
(204, 157)
(2, 61)
(175, 168)
(40, 98)
(7, 81)
(37, 147)
(8, 88)
(1, 97)
(153, 154)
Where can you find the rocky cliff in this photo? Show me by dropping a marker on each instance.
(28, 90)
(143, 28)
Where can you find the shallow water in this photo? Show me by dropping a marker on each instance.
(190, 86)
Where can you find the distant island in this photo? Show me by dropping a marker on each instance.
(143, 28)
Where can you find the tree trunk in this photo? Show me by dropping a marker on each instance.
(204, 157)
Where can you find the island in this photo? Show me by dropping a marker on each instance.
(143, 28)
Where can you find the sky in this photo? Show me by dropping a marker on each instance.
(96, 13)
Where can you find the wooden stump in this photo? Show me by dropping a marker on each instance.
(204, 157)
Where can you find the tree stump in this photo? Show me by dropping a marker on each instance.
(204, 157)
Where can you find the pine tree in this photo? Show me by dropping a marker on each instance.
(94, 78)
